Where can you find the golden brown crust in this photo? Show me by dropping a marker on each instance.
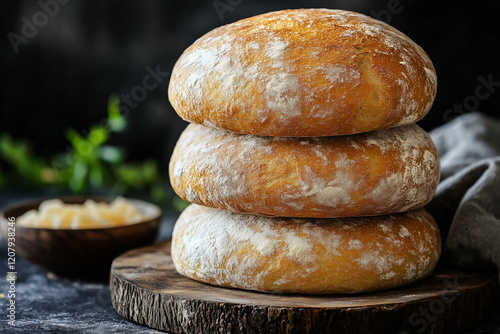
(381, 172)
(307, 72)
(313, 256)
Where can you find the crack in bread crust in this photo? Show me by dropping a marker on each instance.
(294, 255)
(375, 173)
(303, 73)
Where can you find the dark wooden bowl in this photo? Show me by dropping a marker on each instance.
(80, 253)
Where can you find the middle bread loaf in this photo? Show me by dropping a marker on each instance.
(375, 173)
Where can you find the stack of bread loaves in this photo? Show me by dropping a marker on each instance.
(307, 170)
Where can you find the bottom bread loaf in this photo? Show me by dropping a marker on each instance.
(303, 255)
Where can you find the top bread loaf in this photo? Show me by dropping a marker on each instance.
(303, 73)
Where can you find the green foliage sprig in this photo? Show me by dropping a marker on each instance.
(88, 165)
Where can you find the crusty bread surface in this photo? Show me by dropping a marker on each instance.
(304, 255)
(375, 173)
(303, 73)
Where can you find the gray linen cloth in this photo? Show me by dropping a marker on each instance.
(467, 201)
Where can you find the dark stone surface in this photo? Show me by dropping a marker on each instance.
(49, 304)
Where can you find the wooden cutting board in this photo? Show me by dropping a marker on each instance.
(146, 288)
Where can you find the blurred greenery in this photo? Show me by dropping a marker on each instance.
(89, 166)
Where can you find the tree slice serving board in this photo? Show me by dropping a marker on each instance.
(146, 288)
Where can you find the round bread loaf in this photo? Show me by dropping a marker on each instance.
(299, 255)
(303, 73)
(381, 172)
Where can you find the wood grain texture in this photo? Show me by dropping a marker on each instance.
(146, 288)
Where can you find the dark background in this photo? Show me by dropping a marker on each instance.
(63, 76)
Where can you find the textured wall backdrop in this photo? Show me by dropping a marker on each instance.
(60, 60)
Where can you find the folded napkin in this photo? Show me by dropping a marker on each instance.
(467, 201)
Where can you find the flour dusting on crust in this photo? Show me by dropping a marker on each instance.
(306, 72)
(304, 255)
(393, 170)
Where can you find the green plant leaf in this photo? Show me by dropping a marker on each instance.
(111, 154)
(74, 137)
(97, 176)
(130, 176)
(29, 169)
(78, 180)
(116, 121)
(81, 147)
(179, 204)
(88, 164)
(150, 171)
(62, 164)
(97, 136)
(158, 193)
(14, 152)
